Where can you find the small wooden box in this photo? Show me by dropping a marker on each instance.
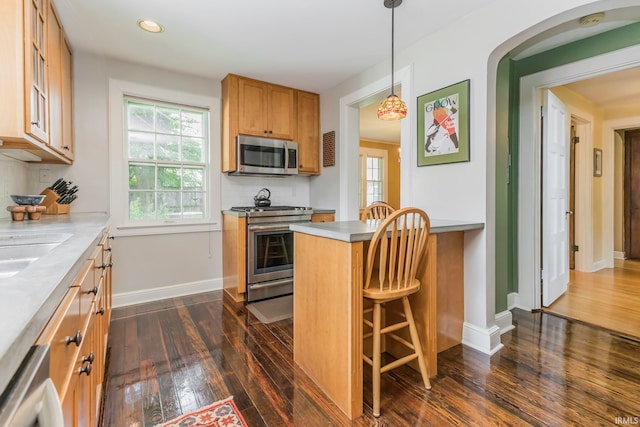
(50, 202)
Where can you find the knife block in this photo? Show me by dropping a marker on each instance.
(51, 203)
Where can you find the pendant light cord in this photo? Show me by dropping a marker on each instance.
(393, 8)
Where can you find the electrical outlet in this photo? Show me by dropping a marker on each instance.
(44, 175)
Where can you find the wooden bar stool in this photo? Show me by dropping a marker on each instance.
(376, 210)
(394, 255)
(275, 248)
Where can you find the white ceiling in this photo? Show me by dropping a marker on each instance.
(312, 45)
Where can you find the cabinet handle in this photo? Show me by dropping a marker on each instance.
(107, 249)
(36, 123)
(112, 237)
(76, 339)
(90, 358)
(100, 312)
(104, 266)
(93, 290)
(66, 147)
(86, 369)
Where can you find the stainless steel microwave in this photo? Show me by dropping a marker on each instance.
(265, 156)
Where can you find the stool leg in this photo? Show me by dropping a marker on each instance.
(376, 359)
(416, 342)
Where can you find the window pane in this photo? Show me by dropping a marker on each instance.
(168, 147)
(168, 120)
(140, 117)
(142, 205)
(193, 178)
(140, 145)
(142, 177)
(168, 178)
(192, 149)
(169, 205)
(193, 204)
(192, 123)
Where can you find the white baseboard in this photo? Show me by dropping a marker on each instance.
(504, 321)
(513, 299)
(147, 295)
(618, 255)
(599, 265)
(485, 340)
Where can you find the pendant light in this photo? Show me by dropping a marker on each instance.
(392, 108)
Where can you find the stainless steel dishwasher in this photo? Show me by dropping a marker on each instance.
(31, 399)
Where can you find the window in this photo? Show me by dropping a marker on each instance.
(164, 172)
(167, 160)
(373, 176)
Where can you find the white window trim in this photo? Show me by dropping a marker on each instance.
(380, 153)
(118, 160)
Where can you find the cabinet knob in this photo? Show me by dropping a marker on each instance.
(112, 237)
(90, 358)
(36, 123)
(66, 147)
(93, 290)
(86, 369)
(270, 131)
(104, 266)
(101, 311)
(76, 339)
(107, 249)
(266, 131)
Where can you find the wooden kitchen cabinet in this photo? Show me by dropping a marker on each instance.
(252, 107)
(60, 60)
(234, 261)
(265, 109)
(323, 217)
(308, 132)
(77, 334)
(27, 45)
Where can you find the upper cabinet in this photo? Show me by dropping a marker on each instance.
(265, 109)
(308, 136)
(33, 81)
(252, 107)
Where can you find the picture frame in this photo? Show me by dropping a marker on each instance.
(597, 162)
(443, 125)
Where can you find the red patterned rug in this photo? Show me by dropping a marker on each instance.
(220, 414)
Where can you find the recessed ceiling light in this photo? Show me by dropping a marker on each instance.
(151, 26)
(591, 20)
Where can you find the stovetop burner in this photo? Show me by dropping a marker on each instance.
(269, 208)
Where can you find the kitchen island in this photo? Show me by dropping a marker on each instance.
(328, 303)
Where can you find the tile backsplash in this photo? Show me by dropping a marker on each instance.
(13, 180)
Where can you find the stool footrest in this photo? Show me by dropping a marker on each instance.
(394, 327)
(398, 362)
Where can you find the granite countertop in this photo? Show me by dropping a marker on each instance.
(357, 231)
(30, 297)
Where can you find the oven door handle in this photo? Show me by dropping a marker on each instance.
(274, 227)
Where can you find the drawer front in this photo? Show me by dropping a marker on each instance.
(65, 330)
(88, 288)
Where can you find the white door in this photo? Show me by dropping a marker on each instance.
(555, 178)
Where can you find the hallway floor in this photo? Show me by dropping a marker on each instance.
(608, 298)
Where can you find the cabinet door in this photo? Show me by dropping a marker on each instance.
(252, 118)
(308, 138)
(54, 58)
(36, 84)
(67, 99)
(281, 119)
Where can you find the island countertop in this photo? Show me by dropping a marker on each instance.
(357, 231)
(30, 297)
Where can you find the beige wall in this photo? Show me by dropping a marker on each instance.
(13, 180)
(393, 156)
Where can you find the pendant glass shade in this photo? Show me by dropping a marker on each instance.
(392, 108)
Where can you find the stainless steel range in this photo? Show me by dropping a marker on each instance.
(270, 249)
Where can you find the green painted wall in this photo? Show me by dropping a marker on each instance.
(507, 120)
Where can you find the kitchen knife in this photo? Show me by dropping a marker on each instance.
(53, 186)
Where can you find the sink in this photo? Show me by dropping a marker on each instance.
(17, 252)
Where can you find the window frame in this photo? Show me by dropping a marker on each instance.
(119, 160)
(366, 152)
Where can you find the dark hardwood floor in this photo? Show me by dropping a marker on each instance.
(174, 356)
